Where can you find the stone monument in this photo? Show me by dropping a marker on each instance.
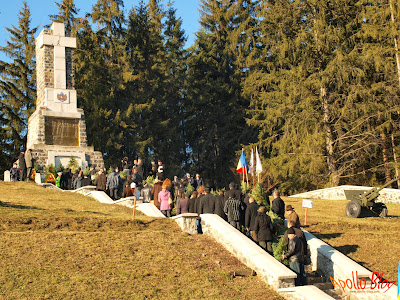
(57, 129)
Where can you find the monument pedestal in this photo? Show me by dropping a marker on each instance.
(57, 128)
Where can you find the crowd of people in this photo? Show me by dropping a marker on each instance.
(239, 210)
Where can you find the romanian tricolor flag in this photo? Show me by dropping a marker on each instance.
(242, 166)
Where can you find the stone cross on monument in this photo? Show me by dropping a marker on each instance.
(57, 129)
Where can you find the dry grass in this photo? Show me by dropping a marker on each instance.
(370, 241)
(63, 245)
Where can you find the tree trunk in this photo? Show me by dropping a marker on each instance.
(396, 168)
(329, 140)
(385, 152)
(396, 46)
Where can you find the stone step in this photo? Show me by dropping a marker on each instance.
(314, 280)
(323, 285)
(336, 294)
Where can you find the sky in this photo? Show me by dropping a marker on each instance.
(187, 10)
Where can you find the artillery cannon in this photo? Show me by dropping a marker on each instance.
(360, 199)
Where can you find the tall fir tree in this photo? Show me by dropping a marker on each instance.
(215, 109)
(100, 79)
(67, 12)
(17, 86)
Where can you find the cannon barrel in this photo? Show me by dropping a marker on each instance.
(386, 184)
(374, 192)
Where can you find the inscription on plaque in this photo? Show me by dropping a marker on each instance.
(63, 132)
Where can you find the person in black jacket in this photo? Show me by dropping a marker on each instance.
(22, 165)
(192, 202)
(250, 218)
(264, 229)
(232, 193)
(296, 257)
(207, 205)
(278, 206)
(219, 205)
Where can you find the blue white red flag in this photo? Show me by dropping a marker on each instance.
(242, 166)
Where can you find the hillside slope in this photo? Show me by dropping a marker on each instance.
(64, 245)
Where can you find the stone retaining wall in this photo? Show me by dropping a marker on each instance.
(337, 193)
(249, 253)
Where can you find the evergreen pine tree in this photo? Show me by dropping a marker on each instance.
(17, 86)
(66, 14)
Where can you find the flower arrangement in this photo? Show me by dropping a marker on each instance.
(73, 164)
(149, 181)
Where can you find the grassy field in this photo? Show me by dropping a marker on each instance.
(67, 246)
(371, 241)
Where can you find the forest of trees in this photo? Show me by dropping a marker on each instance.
(314, 84)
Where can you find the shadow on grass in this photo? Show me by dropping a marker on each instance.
(327, 236)
(96, 213)
(6, 204)
(347, 249)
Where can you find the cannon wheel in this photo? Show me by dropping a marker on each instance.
(380, 209)
(353, 209)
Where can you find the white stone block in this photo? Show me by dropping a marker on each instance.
(59, 63)
(39, 178)
(309, 292)
(68, 42)
(58, 28)
(59, 52)
(149, 209)
(60, 79)
(7, 175)
(101, 197)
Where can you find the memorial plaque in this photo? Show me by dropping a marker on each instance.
(63, 132)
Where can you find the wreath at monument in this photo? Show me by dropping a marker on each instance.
(50, 178)
(73, 165)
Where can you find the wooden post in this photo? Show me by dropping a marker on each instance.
(134, 205)
(305, 216)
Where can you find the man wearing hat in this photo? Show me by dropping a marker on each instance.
(292, 216)
(295, 256)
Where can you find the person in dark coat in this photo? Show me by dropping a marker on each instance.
(264, 229)
(198, 181)
(219, 205)
(192, 202)
(200, 195)
(182, 204)
(140, 168)
(22, 165)
(250, 218)
(232, 209)
(152, 169)
(232, 193)
(28, 164)
(155, 191)
(101, 181)
(278, 206)
(296, 257)
(299, 233)
(207, 205)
